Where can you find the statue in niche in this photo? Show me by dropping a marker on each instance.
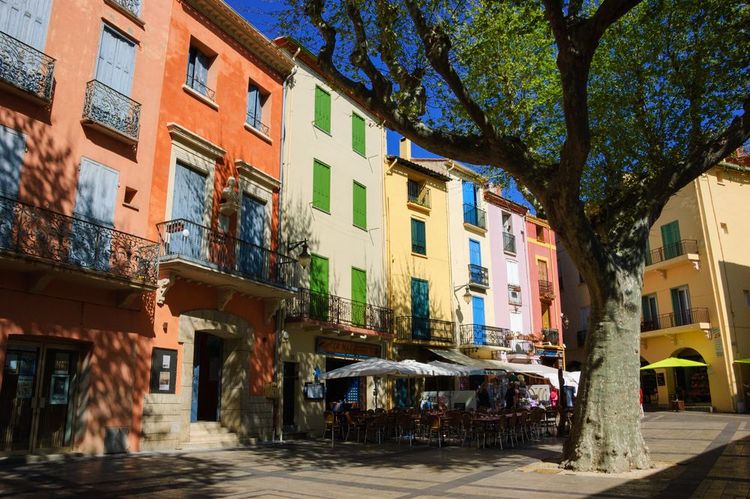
(230, 198)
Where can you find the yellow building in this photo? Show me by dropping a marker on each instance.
(419, 262)
(696, 294)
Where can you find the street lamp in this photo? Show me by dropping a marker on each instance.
(467, 293)
(304, 257)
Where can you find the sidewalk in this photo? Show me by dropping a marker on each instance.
(699, 455)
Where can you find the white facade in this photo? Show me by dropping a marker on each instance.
(333, 235)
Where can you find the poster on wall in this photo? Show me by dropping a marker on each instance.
(58, 389)
(164, 378)
(25, 387)
(166, 360)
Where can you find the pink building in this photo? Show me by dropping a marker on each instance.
(545, 289)
(79, 101)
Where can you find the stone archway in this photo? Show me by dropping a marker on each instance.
(692, 381)
(239, 338)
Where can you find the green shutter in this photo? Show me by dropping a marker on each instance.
(322, 109)
(670, 236)
(359, 203)
(358, 134)
(359, 296)
(418, 239)
(319, 287)
(321, 186)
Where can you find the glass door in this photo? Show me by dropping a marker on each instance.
(36, 398)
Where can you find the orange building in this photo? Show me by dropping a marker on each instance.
(79, 97)
(546, 318)
(214, 210)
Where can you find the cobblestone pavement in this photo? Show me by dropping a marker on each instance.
(697, 455)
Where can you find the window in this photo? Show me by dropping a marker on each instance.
(507, 223)
(539, 233)
(256, 101)
(670, 238)
(418, 237)
(322, 110)
(197, 72)
(359, 202)
(358, 134)
(321, 186)
(746, 293)
(359, 296)
(512, 271)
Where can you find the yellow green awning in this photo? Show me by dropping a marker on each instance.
(673, 362)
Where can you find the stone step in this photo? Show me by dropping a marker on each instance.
(207, 446)
(209, 431)
(228, 438)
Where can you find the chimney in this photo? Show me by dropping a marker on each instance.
(404, 148)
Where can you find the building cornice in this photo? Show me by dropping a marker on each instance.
(502, 202)
(419, 168)
(194, 141)
(247, 171)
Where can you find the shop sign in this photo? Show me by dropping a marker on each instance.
(343, 348)
(549, 353)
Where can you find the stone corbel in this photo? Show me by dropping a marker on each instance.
(223, 295)
(163, 285)
(696, 264)
(662, 273)
(270, 307)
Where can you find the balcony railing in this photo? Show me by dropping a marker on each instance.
(551, 336)
(475, 216)
(665, 321)
(337, 310)
(418, 194)
(193, 242)
(509, 243)
(200, 87)
(409, 328)
(26, 68)
(672, 251)
(546, 291)
(481, 335)
(58, 239)
(478, 275)
(115, 112)
(254, 121)
(514, 294)
(132, 6)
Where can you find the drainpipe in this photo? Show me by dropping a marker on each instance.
(280, 319)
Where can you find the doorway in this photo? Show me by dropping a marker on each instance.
(289, 395)
(207, 366)
(37, 397)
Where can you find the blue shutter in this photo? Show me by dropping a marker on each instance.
(469, 192)
(12, 147)
(26, 20)
(252, 231)
(94, 213)
(477, 305)
(254, 109)
(420, 309)
(201, 72)
(188, 197)
(116, 59)
(475, 252)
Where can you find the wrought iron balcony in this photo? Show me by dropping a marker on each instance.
(423, 329)
(133, 7)
(481, 335)
(551, 336)
(418, 194)
(475, 216)
(110, 111)
(254, 121)
(334, 309)
(665, 321)
(514, 294)
(24, 68)
(509, 243)
(546, 290)
(219, 252)
(200, 87)
(49, 237)
(672, 251)
(478, 275)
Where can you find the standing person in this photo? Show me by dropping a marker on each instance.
(483, 397)
(491, 394)
(511, 396)
(642, 402)
(553, 397)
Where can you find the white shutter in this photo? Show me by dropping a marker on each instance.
(512, 268)
(516, 322)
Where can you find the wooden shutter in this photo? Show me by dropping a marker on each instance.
(321, 186)
(670, 235)
(114, 66)
(254, 106)
(97, 191)
(359, 296)
(418, 239)
(360, 205)
(512, 270)
(322, 109)
(475, 253)
(26, 20)
(358, 134)
(319, 274)
(12, 148)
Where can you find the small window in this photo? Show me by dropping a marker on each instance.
(540, 233)
(507, 224)
(163, 370)
(418, 237)
(322, 109)
(359, 203)
(197, 72)
(358, 134)
(321, 186)
(256, 107)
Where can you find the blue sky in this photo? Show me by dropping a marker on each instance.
(263, 14)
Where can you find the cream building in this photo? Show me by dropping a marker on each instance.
(696, 294)
(332, 206)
